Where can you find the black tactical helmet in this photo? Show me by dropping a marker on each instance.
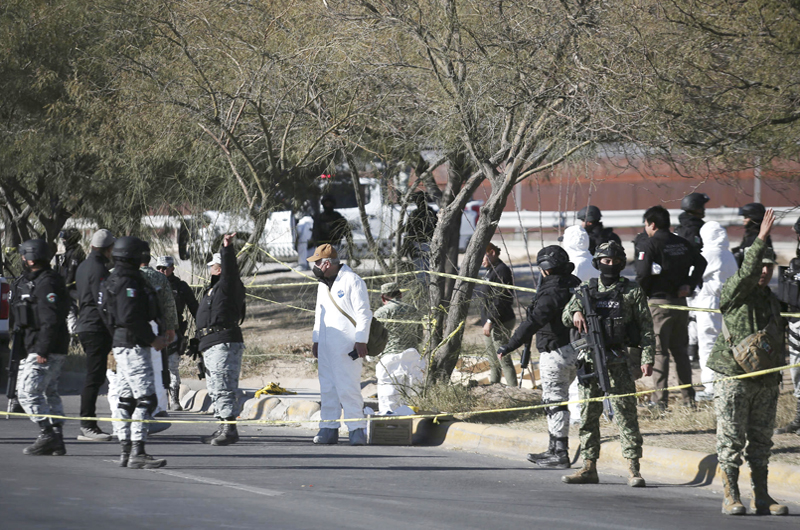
(754, 211)
(145, 251)
(128, 248)
(694, 202)
(554, 257)
(71, 236)
(797, 227)
(612, 249)
(327, 198)
(35, 250)
(590, 214)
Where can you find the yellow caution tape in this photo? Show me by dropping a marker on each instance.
(415, 416)
(706, 310)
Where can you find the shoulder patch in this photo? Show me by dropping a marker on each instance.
(641, 256)
(130, 293)
(52, 298)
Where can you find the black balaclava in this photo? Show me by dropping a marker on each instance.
(609, 274)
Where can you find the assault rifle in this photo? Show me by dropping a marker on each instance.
(594, 342)
(17, 354)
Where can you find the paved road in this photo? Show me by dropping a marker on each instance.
(275, 478)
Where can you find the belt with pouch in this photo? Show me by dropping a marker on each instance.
(204, 332)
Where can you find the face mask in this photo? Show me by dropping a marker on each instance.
(610, 273)
(317, 272)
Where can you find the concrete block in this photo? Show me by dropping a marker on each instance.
(183, 390)
(187, 399)
(302, 410)
(258, 408)
(202, 401)
(278, 412)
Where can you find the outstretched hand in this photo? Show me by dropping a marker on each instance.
(766, 224)
(227, 239)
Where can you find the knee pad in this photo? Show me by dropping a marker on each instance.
(128, 404)
(552, 410)
(149, 403)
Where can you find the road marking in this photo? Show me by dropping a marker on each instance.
(222, 483)
(214, 482)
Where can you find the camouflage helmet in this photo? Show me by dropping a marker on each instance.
(612, 249)
(769, 257)
(390, 289)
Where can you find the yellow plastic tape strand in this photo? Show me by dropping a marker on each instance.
(415, 416)
(706, 310)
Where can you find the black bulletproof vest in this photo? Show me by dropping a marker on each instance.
(608, 306)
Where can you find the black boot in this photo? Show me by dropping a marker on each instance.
(61, 450)
(125, 454)
(139, 459)
(228, 436)
(210, 437)
(46, 443)
(559, 459)
(551, 450)
(794, 425)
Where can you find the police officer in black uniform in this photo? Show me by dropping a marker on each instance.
(598, 234)
(753, 214)
(221, 310)
(789, 293)
(127, 305)
(556, 363)
(40, 305)
(690, 221)
(663, 264)
(329, 225)
(67, 266)
(497, 312)
(92, 332)
(184, 299)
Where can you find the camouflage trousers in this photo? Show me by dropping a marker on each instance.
(223, 365)
(625, 415)
(745, 422)
(498, 337)
(38, 386)
(174, 360)
(134, 379)
(558, 372)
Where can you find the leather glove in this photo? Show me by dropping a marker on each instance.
(501, 351)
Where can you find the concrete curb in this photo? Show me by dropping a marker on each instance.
(689, 468)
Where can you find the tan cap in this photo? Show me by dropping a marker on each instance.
(324, 251)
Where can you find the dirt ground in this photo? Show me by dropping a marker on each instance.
(278, 341)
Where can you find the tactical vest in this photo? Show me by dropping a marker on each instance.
(25, 309)
(789, 283)
(608, 306)
(107, 301)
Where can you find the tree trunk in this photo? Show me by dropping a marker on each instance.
(446, 357)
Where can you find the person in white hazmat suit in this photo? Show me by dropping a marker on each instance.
(721, 266)
(576, 242)
(341, 331)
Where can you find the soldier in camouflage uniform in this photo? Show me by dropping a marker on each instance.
(746, 407)
(401, 336)
(617, 298)
(168, 324)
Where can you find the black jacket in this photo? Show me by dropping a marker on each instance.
(89, 276)
(67, 266)
(544, 315)
(40, 305)
(184, 297)
(689, 229)
(750, 234)
(329, 227)
(598, 235)
(675, 256)
(223, 305)
(128, 304)
(497, 303)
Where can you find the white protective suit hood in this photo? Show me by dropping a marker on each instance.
(721, 263)
(576, 243)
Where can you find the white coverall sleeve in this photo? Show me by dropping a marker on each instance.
(315, 333)
(363, 313)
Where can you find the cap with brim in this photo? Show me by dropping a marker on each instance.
(165, 261)
(103, 238)
(324, 251)
(215, 260)
(390, 288)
